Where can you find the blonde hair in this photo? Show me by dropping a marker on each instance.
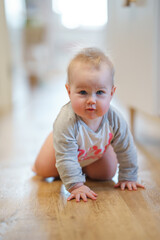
(93, 56)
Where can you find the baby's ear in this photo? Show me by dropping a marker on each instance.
(68, 88)
(113, 90)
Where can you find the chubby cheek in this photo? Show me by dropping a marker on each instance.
(77, 105)
(104, 107)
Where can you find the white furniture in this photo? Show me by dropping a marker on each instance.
(5, 65)
(133, 38)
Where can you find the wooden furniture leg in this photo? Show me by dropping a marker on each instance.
(132, 120)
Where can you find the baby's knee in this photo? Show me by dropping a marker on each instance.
(44, 171)
(108, 176)
(100, 177)
(38, 170)
(105, 174)
(34, 168)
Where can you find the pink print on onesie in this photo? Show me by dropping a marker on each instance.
(94, 152)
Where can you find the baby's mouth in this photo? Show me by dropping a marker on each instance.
(91, 109)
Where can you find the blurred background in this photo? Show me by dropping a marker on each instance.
(38, 39)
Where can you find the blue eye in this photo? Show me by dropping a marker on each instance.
(83, 92)
(100, 92)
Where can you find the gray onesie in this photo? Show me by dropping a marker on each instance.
(76, 145)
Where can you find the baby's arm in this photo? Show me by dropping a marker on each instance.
(66, 151)
(125, 149)
(79, 191)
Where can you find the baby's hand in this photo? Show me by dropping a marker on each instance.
(82, 192)
(130, 185)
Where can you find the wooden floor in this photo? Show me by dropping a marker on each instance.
(37, 209)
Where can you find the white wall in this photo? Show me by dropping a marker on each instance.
(5, 77)
(133, 40)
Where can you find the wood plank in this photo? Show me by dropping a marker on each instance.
(37, 209)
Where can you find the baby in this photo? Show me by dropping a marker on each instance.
(89, 135)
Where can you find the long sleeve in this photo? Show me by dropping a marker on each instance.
(66, 148)
(124, 147)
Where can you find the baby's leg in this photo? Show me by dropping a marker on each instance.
(45, 162)
(104, 168)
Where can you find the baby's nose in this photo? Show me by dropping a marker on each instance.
(91, 100)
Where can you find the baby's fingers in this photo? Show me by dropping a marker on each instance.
(117, 185)
(95, 194)
(134, 186)
(122, 186)
(78, 197)
(70, 197)
(83, 196)
(129, 186)
(91, 195)
(140, 185)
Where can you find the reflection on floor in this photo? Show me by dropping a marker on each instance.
(33, 208)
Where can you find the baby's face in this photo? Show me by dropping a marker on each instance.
(90, 91)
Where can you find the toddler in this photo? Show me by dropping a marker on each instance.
(89, 135)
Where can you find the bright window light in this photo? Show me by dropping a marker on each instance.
(81, 13)
(15, 12)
